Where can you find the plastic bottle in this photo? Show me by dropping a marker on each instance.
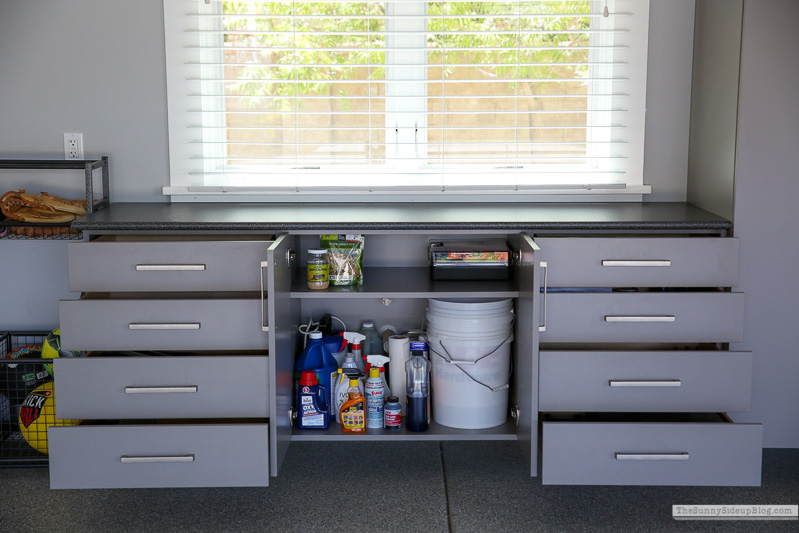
(318, 358)
(311, 403)
(417, 395)
(373, 342)
(353, 412)
(392, 414)
(374, 399)
(340, 393)
(379, 362)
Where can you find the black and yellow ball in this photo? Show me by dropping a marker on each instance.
(51, 348)
(37, 413)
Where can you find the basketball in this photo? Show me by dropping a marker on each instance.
(37, 413)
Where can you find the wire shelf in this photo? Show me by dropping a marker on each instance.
(21, 427)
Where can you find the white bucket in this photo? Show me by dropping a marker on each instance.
(470, 387)
(470, 326)
(469, 304)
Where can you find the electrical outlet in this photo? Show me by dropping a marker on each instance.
(73, 146)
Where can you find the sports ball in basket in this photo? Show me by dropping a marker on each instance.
(37, 413)
(51, 348)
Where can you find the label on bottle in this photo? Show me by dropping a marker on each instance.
(393, 418)
(310, 416)
(353, 418)
(318, 272)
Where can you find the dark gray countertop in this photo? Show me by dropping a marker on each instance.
(406, 216)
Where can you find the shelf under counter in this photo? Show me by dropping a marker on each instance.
(407, 282)
(506, 431)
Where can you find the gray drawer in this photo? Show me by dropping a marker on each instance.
(87, 457)
(644, 317)
(650, 381)
(607, 453)
(162, 387)
(213, 324)
(208, 265)
(640, 262)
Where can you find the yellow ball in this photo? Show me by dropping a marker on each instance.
(37, 413)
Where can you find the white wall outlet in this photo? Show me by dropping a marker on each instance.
(73, 146)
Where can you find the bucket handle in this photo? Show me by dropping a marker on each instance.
(457, 363)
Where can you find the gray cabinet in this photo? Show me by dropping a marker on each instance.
(636, 372)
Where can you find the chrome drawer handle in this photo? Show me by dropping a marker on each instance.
(160, 390)
(169, 268)
(188, 325)
(640, 318)
(645, 383)
(264, 327)
(681, 456)
(130, 459)
(545, 266)
(636, 263)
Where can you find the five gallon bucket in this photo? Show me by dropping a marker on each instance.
(469, 343)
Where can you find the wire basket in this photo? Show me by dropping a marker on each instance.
(22, 428)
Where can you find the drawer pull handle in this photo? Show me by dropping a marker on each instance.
(645, 383)
(131, 459)
(640, 318)
(545, 266)
(636, 263)
(681, 456)
(169, 268)
(264, 327)
(159, 390)
(188, 325)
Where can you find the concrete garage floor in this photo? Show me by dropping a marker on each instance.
(390, 486)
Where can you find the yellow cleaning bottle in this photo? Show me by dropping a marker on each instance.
(353, 411)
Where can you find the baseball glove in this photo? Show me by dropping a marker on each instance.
(40, 208)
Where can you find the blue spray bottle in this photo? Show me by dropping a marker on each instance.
(318, 358)
(311, 404)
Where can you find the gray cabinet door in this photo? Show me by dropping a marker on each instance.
(156, 266)
(162, 387)
(182, 325)
(644, 317)
(609, 453)
(649, 381)
(218, 455)
(283, 315)
(525, 346)
(640, 262)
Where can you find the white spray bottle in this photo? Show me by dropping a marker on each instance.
(355, 340)
(379, 361)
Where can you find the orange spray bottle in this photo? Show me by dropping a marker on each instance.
(353, 412)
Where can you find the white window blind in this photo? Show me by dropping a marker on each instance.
(406, 95)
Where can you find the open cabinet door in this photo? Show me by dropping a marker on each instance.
(282, 314)
(525, 402)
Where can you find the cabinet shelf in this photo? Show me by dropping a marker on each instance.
(506, 431)
(407, 282)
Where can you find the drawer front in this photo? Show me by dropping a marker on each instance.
(644, 262)
(166, 266)
(601, 453)
(162, 387)
(644, 317)
(653, 381)
(87, 457)
(224, 325)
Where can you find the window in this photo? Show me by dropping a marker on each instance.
(385, 98)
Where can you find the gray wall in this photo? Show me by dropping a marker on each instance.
(766, 213)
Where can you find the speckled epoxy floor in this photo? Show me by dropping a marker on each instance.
(389, 486)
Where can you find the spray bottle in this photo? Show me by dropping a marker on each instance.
(374, 399)
(355, 339)
(379, 361)
(353, 411)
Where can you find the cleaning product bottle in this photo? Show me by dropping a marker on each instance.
(340, 393)
(417, 394)
(380, 361)
(392, 412)
(374, 399)
(353, 412)
(318, 358)
(355, 340)
(373, 342)
(352, 371)
(312, 405)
